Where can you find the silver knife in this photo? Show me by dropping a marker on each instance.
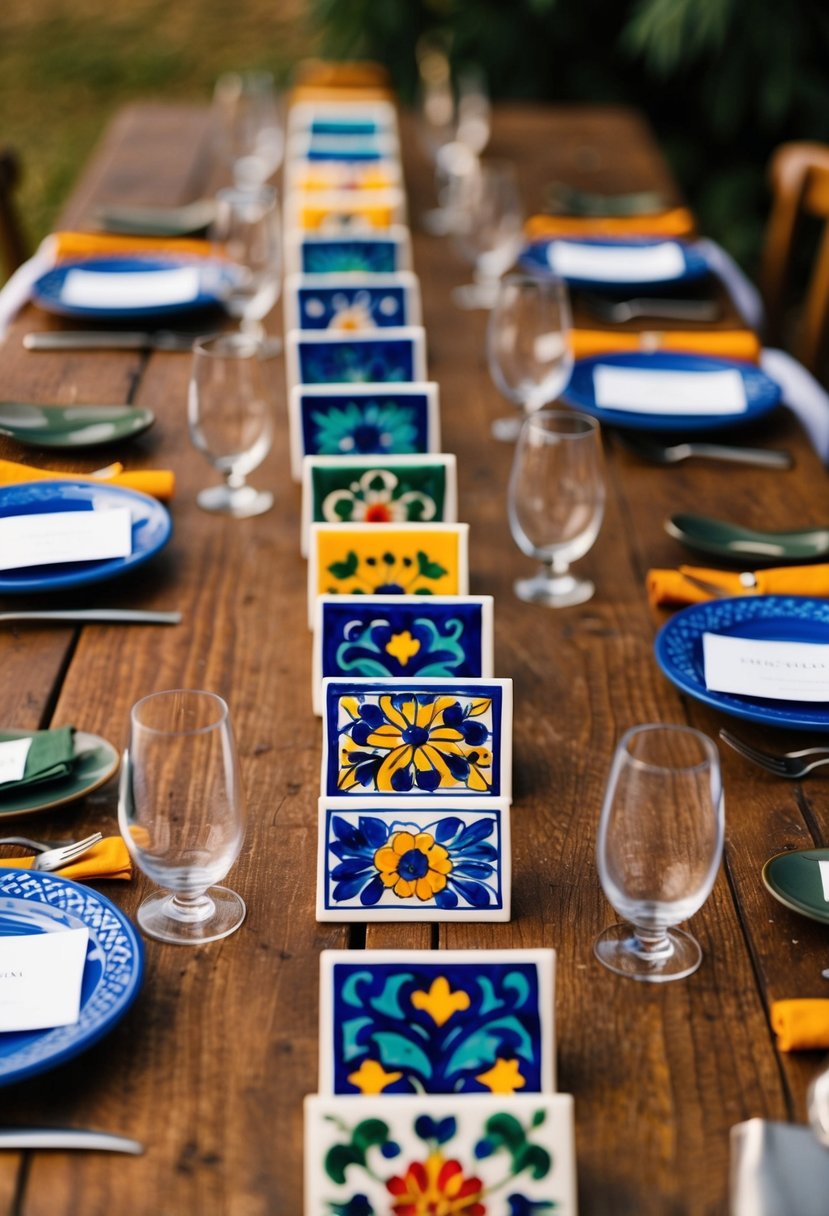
(92, 339)
(124, 616)
(57, 1138)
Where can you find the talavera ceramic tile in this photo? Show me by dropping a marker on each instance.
(397, 559)
(399, 637)
(415, 859)
(342, 117)
(318, 253)
(455, 1156)
(315, 177)
(355, 212)
(368, 490)
(349, 302)
(413, 737)
(362, 420)
(362, 356)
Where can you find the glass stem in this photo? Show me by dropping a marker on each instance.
(191, 908)
(556, 567)
(234, 480)
(651, 943)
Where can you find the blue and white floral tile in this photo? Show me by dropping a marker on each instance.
(400, 637)
(414, 859)
(362, 420)
(349, 302)
(397, 559)
(407, 738)
(368, 490)
(465, 1156)
(309, 253)
(362, 356)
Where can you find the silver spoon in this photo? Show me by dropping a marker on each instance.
(674, 453)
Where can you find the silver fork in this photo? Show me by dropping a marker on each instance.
(55, 859)
(793, 764)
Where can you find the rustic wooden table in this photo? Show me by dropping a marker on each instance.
(209, 1067)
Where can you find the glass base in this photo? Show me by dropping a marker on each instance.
(620, 950)
(241, 502)
(219, 915)
(507, 429)
(556, 591)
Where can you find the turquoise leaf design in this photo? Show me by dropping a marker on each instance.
(351, 1031)
(388, 1002)
(397, 1052)
(521, 985)
(351, 988)
(480, 1048)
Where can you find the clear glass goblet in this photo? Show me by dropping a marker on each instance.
(528, 345)
(487, 226)
(249, 125)
(555, 502)
(248, 229)
(659, 848)
(181, 812)
(230, 413)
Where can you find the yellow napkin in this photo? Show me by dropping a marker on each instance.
(677, 221)
(159, 483)
(672, 587)
(106, 859)
(801, 1025)
(64, 245)
(720, 343)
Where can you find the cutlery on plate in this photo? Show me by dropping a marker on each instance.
(71, 426)
(717, 536)
(39, 846)
(65, 1137)
(672, 310)
(674, 453)
(794, 764)
(749, 581)
(156, 221)
(122, 616)
(64, 855)
(93, 339)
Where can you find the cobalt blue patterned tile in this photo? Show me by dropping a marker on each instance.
(390, 356)
(337, 302)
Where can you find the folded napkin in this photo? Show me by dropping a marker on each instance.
(51, 755)
(801, 1025)
(677, 221)
(159, 483)
(674, 587)
(108, 858)
(720, 343)
(65, 245)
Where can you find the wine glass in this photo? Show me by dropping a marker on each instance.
(249, 126)
(230, 415)
(528, 345)
(555, 502)
(487, 225)
(181, 812)
(659, 848)
(247, 226)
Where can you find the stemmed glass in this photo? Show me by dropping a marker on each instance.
(181, 811)
(248, 228)
(250, 129)
(659, 848)
(528, 345)
(230, 414)
(487, 225)
(555, 503)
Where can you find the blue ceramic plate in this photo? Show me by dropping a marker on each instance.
(539, 256)
(151, 529)
(43, 903)
(778, 618)
(214, 278)
(762, 394)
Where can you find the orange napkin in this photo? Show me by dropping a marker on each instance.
(64, 245)
(329, 80)
(159, 483)
(106, 859)
(677, 221)
(672, 587)
(720, 343)
(801, 1025)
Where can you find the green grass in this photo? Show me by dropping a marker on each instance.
(66, 67)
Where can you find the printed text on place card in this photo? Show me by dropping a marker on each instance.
(781, 671)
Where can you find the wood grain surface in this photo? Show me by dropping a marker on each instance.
(209, 1067)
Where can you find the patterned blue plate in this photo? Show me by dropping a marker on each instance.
(778, 618)
(540, 255)
(762, 393)
(213, 280)
(43, 903)
(151, 529)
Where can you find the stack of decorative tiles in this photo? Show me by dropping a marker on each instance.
(421, 1054)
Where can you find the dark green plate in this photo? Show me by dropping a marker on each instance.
(98, 762)
(794, 879)
(71, 426)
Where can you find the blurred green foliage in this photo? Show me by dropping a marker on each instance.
(722, 81)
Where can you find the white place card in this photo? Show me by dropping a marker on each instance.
(64, 536)
(656, 392)
(617, 263)
(13, 755)
(40, 979)
(130, 289)
(782, 671)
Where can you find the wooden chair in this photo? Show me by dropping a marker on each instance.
(12, 242)
(800, 185)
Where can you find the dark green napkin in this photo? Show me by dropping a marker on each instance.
(52, 755)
